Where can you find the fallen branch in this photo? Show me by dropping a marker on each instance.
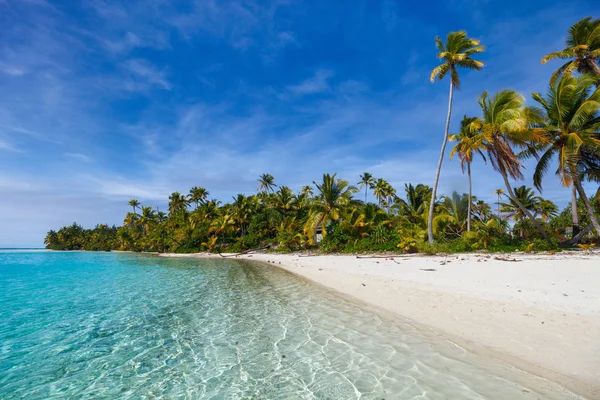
(507, 259)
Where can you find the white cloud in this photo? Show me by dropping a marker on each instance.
(318, 83)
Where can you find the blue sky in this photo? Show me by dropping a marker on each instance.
(103, 101)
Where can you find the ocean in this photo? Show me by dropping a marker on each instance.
(128, 326)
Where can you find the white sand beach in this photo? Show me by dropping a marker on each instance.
(540, 313)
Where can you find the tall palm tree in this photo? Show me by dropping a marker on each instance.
(177, 202)
(469, 141)
(367, 180)
(572, 125)
(499, 193)
(505, 123)
(582, 51)
(134, 204)
(198, 195)
(333, 196)
(266, 183)
(455, 53)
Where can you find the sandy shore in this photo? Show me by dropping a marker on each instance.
(540, 313)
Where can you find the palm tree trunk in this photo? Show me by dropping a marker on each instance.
(470, 196)
(439, 167)
(365, 194)
(588, 205)
(511, 194)
(574, 211)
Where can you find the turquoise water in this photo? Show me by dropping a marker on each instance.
(108, 325)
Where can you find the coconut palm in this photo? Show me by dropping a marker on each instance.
(505, 123)
(177, 202)
(284, 200)
(384, 192)
(582, 51)
(134, 204)
(198, 195)
(469, 141)
(499, 193)
(147, 217)
(308, 190)
(266, 183)
(454, 213)
(367, 180)
(455, 53)
(414, 208)
(572, 125)
(333, 196)
(527, 198)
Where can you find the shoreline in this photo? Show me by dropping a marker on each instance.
(540, 313)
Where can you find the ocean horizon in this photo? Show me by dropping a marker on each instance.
(123, 325)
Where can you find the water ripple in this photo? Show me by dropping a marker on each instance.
(106, 326)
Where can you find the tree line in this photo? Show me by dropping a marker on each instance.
(563, 127)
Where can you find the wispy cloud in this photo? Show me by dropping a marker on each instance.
(143, 73)
(318, 83)
(150, 97)
(79, 156)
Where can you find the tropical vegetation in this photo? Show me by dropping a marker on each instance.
(559, 128)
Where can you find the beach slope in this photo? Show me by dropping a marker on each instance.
(538, 312)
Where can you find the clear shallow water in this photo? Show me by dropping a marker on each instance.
(106, 325)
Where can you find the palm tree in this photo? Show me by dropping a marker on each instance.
(148, 217)
(308, 190)
(414, 208)
(456, 52)
(527, 198)
(177, 202)
(582, 51)
(506, 122)
(367, 180)
(499, 193)
(455, 213)
(198, 195)
(333, 196)
(571, 124)
(384, 192)
(266, 183)
(469, 141)
(134, 204)
(284, 200)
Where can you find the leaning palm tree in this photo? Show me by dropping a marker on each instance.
(134, 204)
(582, 51)
(469, 141)
(455, 53)
(367, 180)
(505, 123)
(266, 183)
(572, 125)
(333, 196)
